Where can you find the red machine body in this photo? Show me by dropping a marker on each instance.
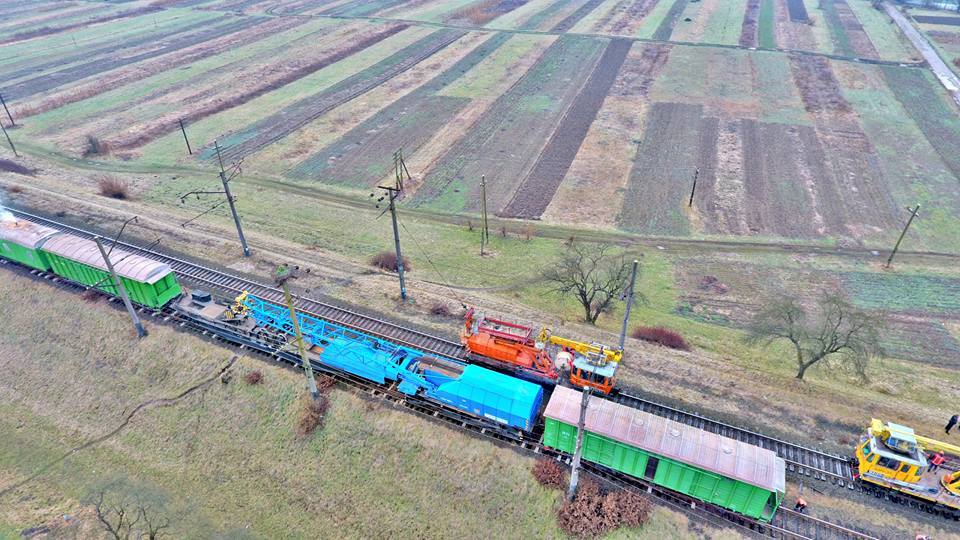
(508, 343)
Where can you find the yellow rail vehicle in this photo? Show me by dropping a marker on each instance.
(893, 458)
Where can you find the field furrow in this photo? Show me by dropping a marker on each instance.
(280, 124)
(482, 12)
(510, 135)
(538, 188)
(751, 22)
(665, 28)
(627, 16)
(72, 74)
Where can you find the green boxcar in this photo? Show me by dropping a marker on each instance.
(19, 241)
(719, 470)
(148, 282)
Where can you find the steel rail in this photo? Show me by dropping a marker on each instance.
(787, 524)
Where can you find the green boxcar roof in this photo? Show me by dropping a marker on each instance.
(657, 435)
(24, 233)
(132, 267)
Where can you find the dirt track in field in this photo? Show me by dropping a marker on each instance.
(274, 77)
(537, 190)
(280, 124)
(49, 81)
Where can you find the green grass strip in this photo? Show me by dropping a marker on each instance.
(768, 39)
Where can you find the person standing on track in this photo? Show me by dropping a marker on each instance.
(952, 422)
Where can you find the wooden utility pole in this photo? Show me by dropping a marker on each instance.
(186, 140)
(628, 296)
(141, 331)
(283, 275)
(230, 201)
(693, 190)
(575, 466)
(10, 142)
(913, 214)
(4, 102)
(393, 193)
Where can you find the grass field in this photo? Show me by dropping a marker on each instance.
(228, 456)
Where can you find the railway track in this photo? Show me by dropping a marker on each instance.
(787, 525)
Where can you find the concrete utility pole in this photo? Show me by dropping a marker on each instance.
(283, 275)
(186, 140)
(10, 142)
(913, 214)
(485, 233)
(230, 201)
(575, 467)
(141, 331)
(628, 296)
(394, 192)
(693, 190)
(4, 102)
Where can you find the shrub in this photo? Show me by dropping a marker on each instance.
(592, 514)
(440, 309)
(324, 383)
(254, 377)
(14, 189)
(661, 336)
(114, 188)
(549, 473)
(96, 147)
(90, 295)
(387, 260)
(631, 508)
(311, 417)
(956, 61)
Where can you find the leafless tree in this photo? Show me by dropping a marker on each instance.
(837, 334)
(126, 509)
(592, 276)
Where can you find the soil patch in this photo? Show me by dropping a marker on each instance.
(572, 19)
(663, 170)
(10, 166)
(934, 19)
(751, 17)
(268, 130)
(537, 190)
(857, 36)
(797, 11)
(945, 38)
(628, 14)
(818, 86)
(663, 31)
(638, 74)
(485, 11)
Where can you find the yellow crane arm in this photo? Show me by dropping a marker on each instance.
(610, 355)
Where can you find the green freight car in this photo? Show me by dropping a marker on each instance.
(19, 241)
(716, 469)
(148, 282)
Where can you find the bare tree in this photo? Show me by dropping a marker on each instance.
(130, 510)
(836, 334)
(592, 276)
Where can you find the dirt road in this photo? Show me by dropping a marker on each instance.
(949, 80)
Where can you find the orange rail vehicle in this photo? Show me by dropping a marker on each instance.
(512, 347)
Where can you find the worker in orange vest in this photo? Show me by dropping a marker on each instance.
(936, 461)
(801, 505)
